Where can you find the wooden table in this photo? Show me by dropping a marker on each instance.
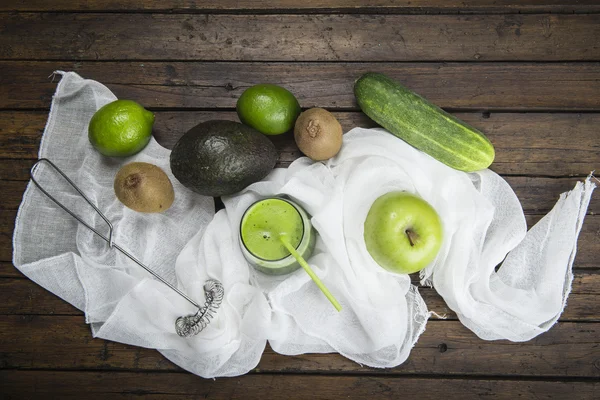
(527, 73)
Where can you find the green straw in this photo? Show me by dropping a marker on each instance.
(310, 273)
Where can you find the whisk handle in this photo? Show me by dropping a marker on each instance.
(108, 239)
(160, 278)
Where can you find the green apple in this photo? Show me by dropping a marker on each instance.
(403, 233)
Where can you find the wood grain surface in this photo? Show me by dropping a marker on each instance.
(130, 385)
(338, 37)
(537, 194)
(527, 73)
(309, 6)
(446, 347)
(537, 144)
(216, 85)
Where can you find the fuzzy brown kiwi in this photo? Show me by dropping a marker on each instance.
(144, 187)
(318, 134)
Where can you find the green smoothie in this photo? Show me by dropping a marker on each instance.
(263, 226)
(277, 238)
(265, 222)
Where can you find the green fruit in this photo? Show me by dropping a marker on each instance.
(217, 158)
(403, 233)
(269, 109)
(421, 124)
(121, 128)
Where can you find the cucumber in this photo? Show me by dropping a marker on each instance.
(422, 124)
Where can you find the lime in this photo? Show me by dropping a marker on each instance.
(269, 109)
(121, 128)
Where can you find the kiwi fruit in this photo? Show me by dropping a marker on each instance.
(144, 187)
(318, 134)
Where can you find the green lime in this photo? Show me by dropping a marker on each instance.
(121, 128)
(269, 109)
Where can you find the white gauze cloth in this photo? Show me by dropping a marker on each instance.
(121, 301)
(383, 314)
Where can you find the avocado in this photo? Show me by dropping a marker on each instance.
(217, 158)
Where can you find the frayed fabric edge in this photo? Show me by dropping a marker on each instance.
(25, 199)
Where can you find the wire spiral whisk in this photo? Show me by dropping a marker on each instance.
(191, 325)
(185, 326)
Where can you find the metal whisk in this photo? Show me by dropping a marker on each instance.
(191, 325)
(185, 326)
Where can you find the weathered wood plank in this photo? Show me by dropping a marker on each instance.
(537, 194)
(446, 347)
(13, 194)
(7, 225)
(319, 37)
(320, 6)
(526, 143)
(97, 385)
(456, 86)
(24, 297)
(20, 135)
(8, 270)
(586, 282)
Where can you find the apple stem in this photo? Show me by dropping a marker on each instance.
(412, 236)
(310, 273)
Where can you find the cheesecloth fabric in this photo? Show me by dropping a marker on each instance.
(383, 314)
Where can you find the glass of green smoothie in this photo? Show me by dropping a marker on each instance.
(264, 224)
(276, 238)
